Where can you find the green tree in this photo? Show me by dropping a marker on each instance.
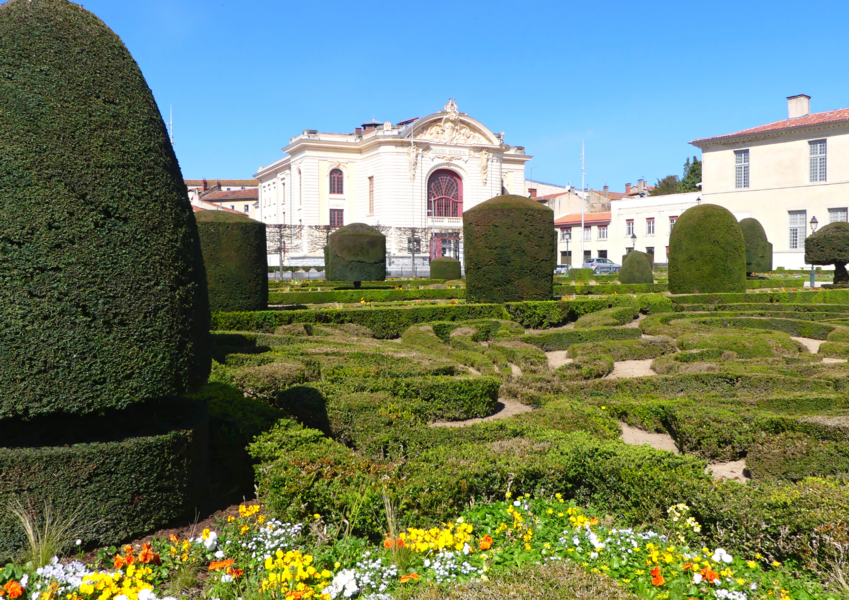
(692, 176)
(665, 186)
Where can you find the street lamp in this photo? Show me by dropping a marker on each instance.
(814, 224)
(633, 242)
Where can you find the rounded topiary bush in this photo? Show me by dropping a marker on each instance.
(235, 259)
(445, 268)
(356, 252)
(758, 248)
(103, 296)
(509, 250)
(636, 268)
(830, 246)
(707, 252)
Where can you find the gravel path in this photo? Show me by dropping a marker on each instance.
(505, 408)
(812, 345)
(558, 358)
(631, 368)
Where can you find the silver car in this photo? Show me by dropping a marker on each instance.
(561, 270)
(601, 265)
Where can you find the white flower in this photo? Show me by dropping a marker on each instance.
(466, 548)
(516, 503)
(147, 595)
(224, 579)
(720, 555)
(697, 578)
(212, 541)
(79, 542)
(121, 597)
(219, 554)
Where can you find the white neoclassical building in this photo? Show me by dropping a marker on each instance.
(412, 179)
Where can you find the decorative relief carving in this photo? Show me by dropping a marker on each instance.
(413, 154)
(451, 129)
(483, 161)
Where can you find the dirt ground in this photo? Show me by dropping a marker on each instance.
(631, 368)
(505, 408)
(558, 358)
(812, 345)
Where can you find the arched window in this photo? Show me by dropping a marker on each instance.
(445, 194)
(336, 178)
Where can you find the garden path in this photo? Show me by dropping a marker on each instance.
(515, 370)
(558, 358)
(504, 409)
(636, 322)
(631, 368)
(829, 360)
(811, 344)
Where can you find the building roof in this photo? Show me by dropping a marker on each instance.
(589, 219)
(822, 118)
(219, 196)
(224, 182)
(222, 208)
(612, 195)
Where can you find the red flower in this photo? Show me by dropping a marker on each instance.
(709, 574)
(485, 542)
(657, 578)
(14, 589)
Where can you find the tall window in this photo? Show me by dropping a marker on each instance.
(602, 234)
(245, 207)
(817, 160)
(650, 226)
(837, 215)
(797, 229)
(629, 227)
(300, 189)
(672, 222)
(336, 179)
(741, 169)
(371, 195)
(444, 194)
(588, 233)
(337, 217)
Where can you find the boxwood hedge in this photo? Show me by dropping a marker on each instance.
(445, 268)
(351, 296)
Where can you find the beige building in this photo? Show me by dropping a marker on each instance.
(782, 174)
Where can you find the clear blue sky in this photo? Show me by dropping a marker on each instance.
(637, 80)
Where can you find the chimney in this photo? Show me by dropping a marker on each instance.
(358, 131)
(798, 106)
(606, 190)
(627, 189)
(533, 192)
(641, 185)
(205, 185)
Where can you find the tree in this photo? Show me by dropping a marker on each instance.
(667, 185)
(692, 176)
(830, 246)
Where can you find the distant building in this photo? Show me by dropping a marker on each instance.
(238, 195)
(782, 174)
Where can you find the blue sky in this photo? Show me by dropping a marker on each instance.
(636, 80)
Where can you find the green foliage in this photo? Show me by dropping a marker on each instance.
(837, 334)
(655, 303)
(587, 367)
(692, 176)
(637, 268)
(541, 315)
(707, 252)
(445, 268)
(562, 339)
(834, 350)
(830, 246)
(509, 250)
(748, 345)
(793, 456)
(265, 382)
(355, 252)
(758, 248)
(637, 349)
(235, 258)
(795, 327)
(351, 296)
(833, 297)
(667, 185)
(128, 477)
(610, 317)
(103, 298)
(580, 274)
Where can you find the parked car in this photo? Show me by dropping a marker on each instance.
(561, 270)
(601, 265)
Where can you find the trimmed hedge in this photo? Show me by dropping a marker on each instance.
(758, 248)
(613, 288)
(745, 345)
(510, 246)
(794, 456)
(103, 300)
(587, 367)
(795, 327)
(635, 349)
(580, 274)
(542, 315)
(562, 339)
(637, 268)
(806, 297)
(355, 252)
(611, 317)
(830, 246)
(347, 297)
(707, 252)
(234, 255)
(834, 350)
(655, 303)
(445, 268)
(384, 322)
(126, 484)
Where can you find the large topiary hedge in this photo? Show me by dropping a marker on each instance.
(509, 250)
(707, 252)
(636, 268)
(356, 252)
(103, 298)
(758, 248)
(235, 258)
(830, 246)
(445, 268)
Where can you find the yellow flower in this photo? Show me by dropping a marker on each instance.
(752, 564)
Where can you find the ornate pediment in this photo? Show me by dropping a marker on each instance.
(452, 128)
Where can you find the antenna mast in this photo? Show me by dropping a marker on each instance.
(583, 199)
(171, 123)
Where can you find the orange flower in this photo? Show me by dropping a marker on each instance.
(174, 539)
(688, 566)
(220, 564)
(387, 543)
(128, 549)
(129, 559)
(485, 542)
(14, 589)
(397, 543)
(118, 562)
(412, 576)
(709, 574)
(234, 573)
(146, 554)
(656, 578)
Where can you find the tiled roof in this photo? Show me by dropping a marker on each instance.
(224, 182)
(589, 219)
(832, 116)
(249, 194)
(201, 209)
(550, 196)
(610, 195)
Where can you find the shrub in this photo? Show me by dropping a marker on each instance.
(103, 300)
(265, 382)
(580, 274)
(758, 248)
(587, 367)
(637, 268)
(509, 250)
(625, 349)
(351, 296)
(830, 246)
(838, 334)
(445, 268)
(610, 288)
(834, 350)
(655, 303)
(795, 327)
(745, 345)
(707, 252)
(355, 252)
(540, 315)
(561, 340)
(234, 255)
(793, 456)
(610, 317)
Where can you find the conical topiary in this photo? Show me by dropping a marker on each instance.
(445, 268)
(636, 268)
(830, 246)
(356, 252)
(510, 250)
(707, 253)
(236, 260)
(758, 248)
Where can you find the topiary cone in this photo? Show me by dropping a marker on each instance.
(758, 248)
(510, 246)
(830, 246)
(707, 253)
(356, 252)
(636, 268)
